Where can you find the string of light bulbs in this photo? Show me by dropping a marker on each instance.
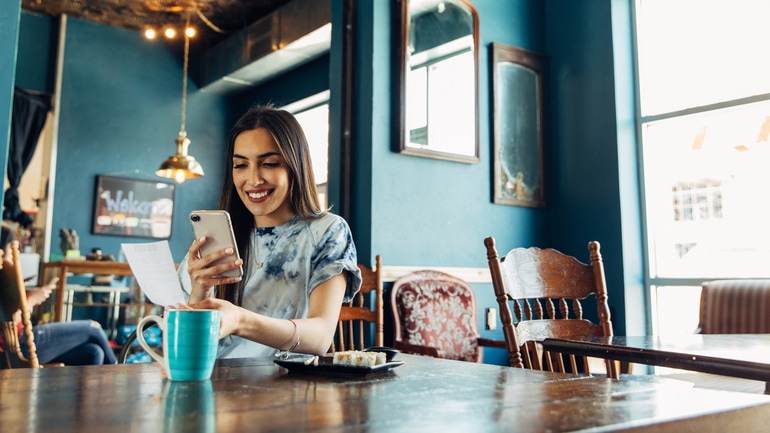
(189, 31)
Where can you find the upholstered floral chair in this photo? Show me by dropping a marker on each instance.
(434, 314)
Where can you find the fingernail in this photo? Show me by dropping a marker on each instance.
(229, 251)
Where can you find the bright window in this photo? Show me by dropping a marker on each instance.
(313, 114)
(704, 95)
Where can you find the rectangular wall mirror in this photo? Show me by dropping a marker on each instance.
(518, 126)
(436, 105)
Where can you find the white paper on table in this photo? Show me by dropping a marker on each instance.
(152, 265)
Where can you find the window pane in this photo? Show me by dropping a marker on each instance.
(697, 52)
(677, 309)
(315, 123)
(706, 177)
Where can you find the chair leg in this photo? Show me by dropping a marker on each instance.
(625, 367)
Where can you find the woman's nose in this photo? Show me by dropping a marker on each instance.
(254, 178)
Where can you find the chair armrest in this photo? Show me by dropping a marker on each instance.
(418, 350)
(488, 342)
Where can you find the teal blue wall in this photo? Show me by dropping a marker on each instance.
(129, 116)
(590, 148)
(427, 211)
(9, 34)
(418, 211)
(120, 111)
(635, 310)
(38, 39)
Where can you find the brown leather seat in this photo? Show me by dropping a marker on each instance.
(731, 306)
(735, 307)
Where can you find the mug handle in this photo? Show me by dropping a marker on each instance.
(140, 336)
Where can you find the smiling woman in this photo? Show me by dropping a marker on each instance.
(299, 261)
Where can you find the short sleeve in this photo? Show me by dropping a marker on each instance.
(337, 253)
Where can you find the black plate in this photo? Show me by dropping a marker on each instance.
(326, 366)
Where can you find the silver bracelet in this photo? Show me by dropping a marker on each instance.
(285, 353)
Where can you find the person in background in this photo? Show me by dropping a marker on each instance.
(299, 260)
(80, 342)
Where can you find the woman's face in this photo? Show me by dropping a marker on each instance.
(261, 177)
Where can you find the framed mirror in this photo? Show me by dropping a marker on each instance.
(436, 77)
(518, 126)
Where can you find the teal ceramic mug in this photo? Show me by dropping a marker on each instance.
(190, 341)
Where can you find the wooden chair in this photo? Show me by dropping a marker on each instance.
(434, 314)
(13, 298)
(546, 289)
(357, 318)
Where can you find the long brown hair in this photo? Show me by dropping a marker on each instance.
(303, 196)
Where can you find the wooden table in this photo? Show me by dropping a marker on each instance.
(745, 356)
(423, 395)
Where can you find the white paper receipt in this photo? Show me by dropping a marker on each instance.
(154, 270)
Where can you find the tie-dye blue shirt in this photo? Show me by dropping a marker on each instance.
(295, 257)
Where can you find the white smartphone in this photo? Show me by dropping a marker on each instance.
(216, 226)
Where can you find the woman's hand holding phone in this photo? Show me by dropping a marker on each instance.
(214, 231)
(213, 258)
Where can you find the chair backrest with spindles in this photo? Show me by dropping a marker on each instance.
(362, 319)
(541, 293)
(13, 299)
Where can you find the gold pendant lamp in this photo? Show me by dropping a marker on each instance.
(182, 166)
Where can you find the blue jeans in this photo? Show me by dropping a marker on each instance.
(80, 342)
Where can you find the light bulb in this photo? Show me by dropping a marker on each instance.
(170, 33)
(149, 34)
(179, 177)
(190, 32)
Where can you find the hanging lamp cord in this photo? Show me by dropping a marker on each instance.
(184, 78)
(203, 18)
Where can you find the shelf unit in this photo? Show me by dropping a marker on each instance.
(64, 296)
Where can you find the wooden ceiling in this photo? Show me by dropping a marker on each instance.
(230, 16)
